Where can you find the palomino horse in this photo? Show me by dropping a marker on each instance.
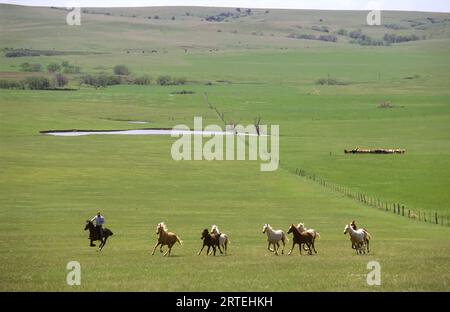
(94, 235)
(301, 238)
(360, 238)
(223, 238)
(301, 227)
(165, 238)
(210, 240)
(273, 237)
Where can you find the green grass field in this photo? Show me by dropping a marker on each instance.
(50, 185)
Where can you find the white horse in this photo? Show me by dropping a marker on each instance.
(301, 227)
(273, 237)
(223, 238)
(360, 238)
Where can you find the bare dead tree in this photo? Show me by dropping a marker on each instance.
(256, 123)
(205, 98)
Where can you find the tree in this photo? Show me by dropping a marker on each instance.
(53, 67)
(30, 67)
(121, 70)
(60, 80)
(37, 83)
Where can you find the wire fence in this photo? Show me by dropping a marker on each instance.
(390, 207)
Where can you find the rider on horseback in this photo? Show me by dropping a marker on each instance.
(99, 221)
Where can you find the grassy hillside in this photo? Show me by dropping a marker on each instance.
(50, 185)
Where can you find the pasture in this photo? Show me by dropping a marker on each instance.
(49, 185)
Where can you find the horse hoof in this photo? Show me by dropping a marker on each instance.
(93, 245)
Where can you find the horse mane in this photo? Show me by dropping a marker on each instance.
(163, 225)
(214, 227)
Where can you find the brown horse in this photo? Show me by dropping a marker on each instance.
(165, 238)
(94, 235)
(210, 240)
(301, 238)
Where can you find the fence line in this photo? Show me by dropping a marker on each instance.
(396, 208)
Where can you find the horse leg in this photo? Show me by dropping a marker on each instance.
(268, 247)
(200, 251)
(155, 248)
(310, 248)
(276, 246)
(214, 250)
(293, 244)
(168, 250)
(284, 245)
(92, 243)
(218, 246)
(103, 243)
(207, 251)
(314, 247)
(367, 242)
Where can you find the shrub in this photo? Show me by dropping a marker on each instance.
(393, 38)
(69, 68)
(166, 80)
(330, 81)
(342, 32)
(100, 80)
(121, 70)
(9, 84)
(320, 28)
(355, 34)
(60, 80)
(53, 67)
(21, 52)
(27, 67)
(331, 38)
(37, 83)
(143, 80)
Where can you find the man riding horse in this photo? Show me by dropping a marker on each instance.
(99, 221)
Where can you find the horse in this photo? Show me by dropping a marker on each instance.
(94, 235)
(273, 237)
(301, 238)
(210, 240)
(301, 227)
(165, 238)
(223, 238)
(360, 238)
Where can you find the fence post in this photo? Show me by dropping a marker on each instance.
(409, 213)
(403, 211)
(386, 206)
(419, 216)
(436, 217)
(398, 208)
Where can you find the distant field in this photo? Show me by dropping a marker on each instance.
(250, 68)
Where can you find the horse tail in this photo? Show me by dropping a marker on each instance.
(317, 235)
(369, 237)
(179, 241)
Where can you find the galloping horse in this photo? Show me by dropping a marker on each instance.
(301, 238)
(94, 234)
(210, 240)
(165, 238)
(223, 238)
(301, 227)
(360, 238)
(273, 237)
